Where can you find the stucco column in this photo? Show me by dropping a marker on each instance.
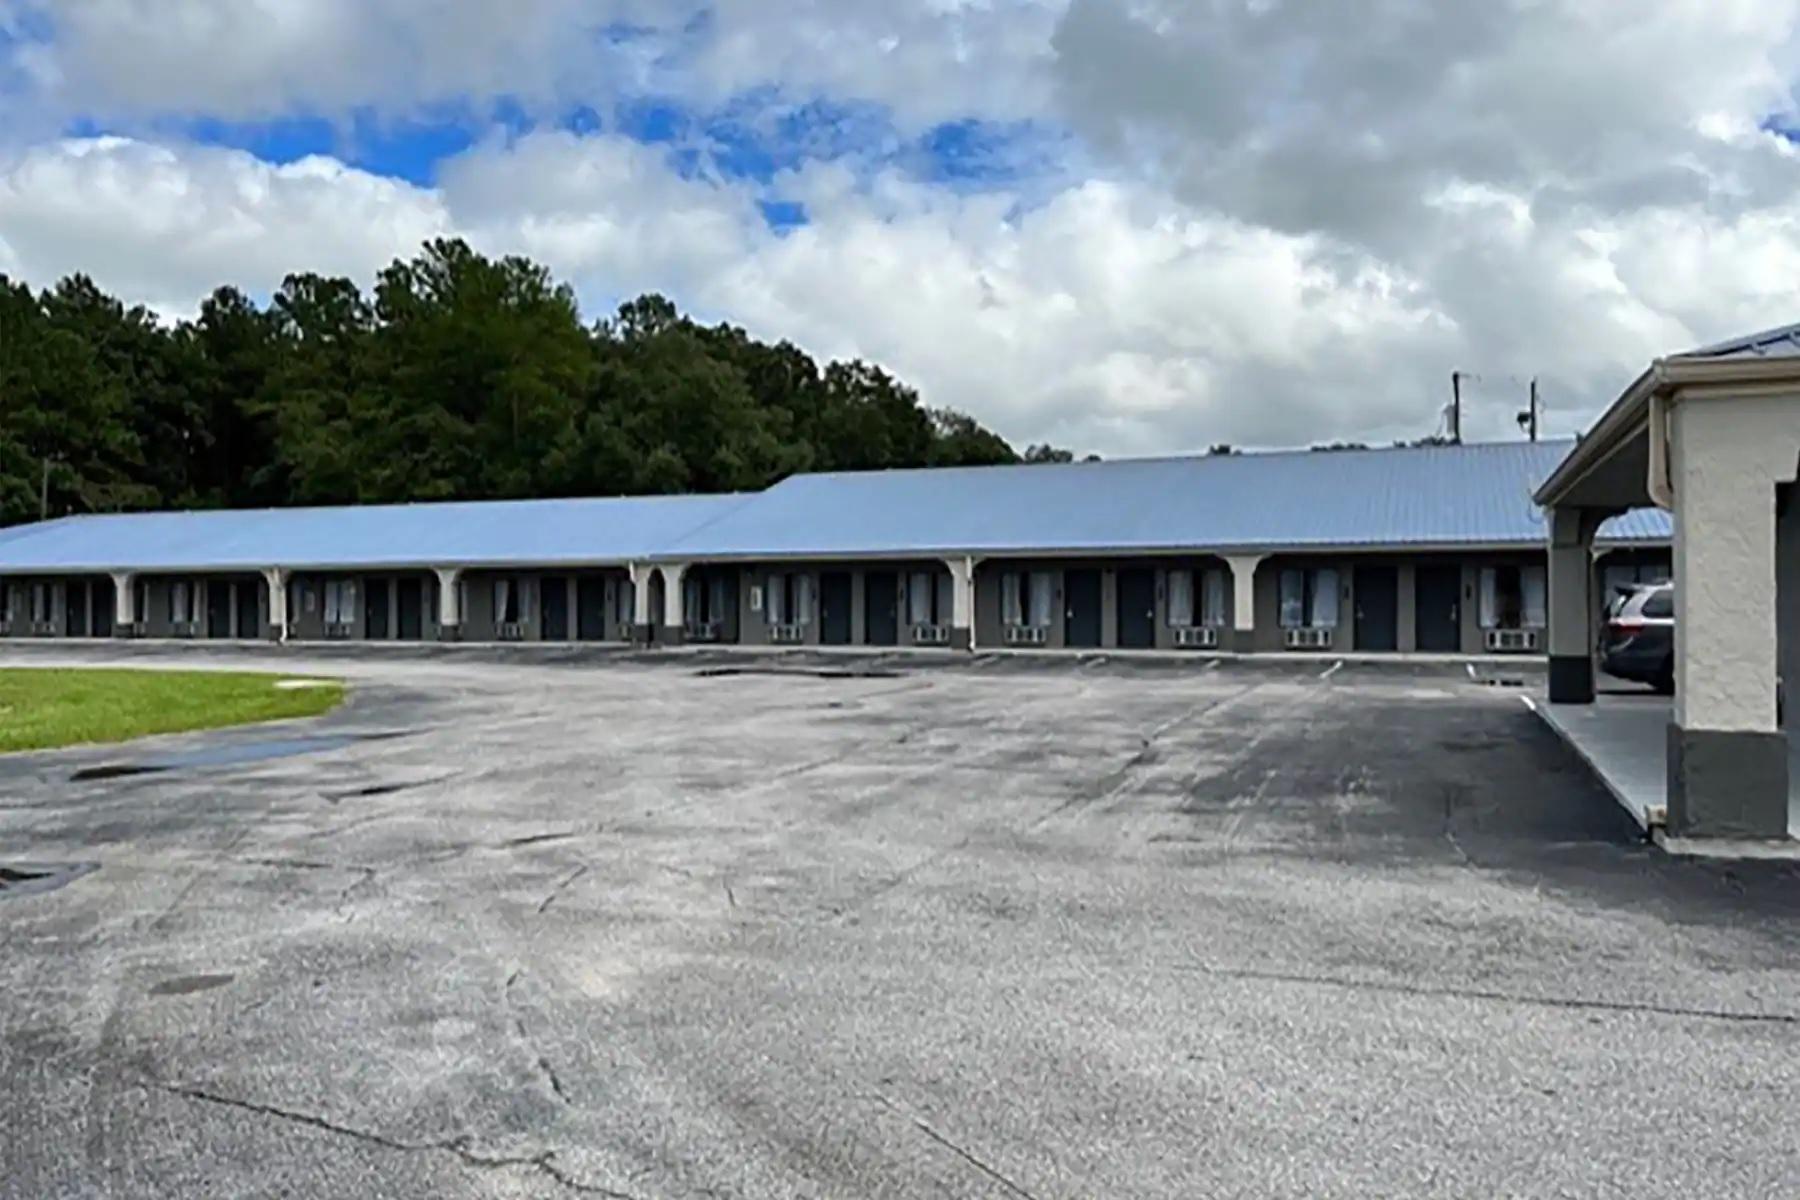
(643, 621)
(1727, 755)
(449, 581)
(276, 580)
(1243, 600)
(674, 613)
(125, 614)
(962, 603)
(1571, 604)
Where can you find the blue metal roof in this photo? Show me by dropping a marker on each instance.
(1418, 497)
(1426, 496)
(1783, 342)
(501, 532)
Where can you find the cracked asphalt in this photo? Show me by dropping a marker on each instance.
(586, 923)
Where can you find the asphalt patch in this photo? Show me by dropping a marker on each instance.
(799, 672)
(187, 985)
(33, 879)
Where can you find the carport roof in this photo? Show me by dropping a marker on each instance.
(1401, 497)
(480, 533)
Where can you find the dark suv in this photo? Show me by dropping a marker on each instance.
(1640, 637)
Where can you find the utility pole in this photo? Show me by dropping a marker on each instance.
(1528, 420)
(1456, 378)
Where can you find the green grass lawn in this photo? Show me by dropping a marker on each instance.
(43, 709)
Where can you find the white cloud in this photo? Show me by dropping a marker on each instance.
(1306, 217)
(248, 59)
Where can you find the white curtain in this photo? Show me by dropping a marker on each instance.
(1293, 599)
(715, 594)
(803, 599)
(1490, 597)
(1536, 598)
(1213, 604)
(1325, 600)
(1181, 599)
(1043, 598)
(502, 600)
(692, 604)
(918, 598)
(1012, 598)
(775, 596)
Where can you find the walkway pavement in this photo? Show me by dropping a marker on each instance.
(1623, 738)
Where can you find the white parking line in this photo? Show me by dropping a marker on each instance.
(1333, 669)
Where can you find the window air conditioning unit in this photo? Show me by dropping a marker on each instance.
(1309, 639)
(512, 631)
(338, 632)
(931, 635)
(787, 635)
(1197, 637)
(702, 631)
(44, 629)
(1027, 635)
(1512, 641)
(625, 631)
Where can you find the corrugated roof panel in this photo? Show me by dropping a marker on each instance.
(1440, 495)
(473, 533)
(1783, 342)
(1430, 496)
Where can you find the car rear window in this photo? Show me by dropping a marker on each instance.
(1660, 604)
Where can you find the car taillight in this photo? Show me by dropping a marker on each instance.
(1628, 627)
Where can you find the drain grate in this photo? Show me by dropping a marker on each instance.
(32, 879)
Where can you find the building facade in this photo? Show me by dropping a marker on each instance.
(1415, 550)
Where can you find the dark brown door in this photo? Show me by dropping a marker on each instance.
(1137, 610)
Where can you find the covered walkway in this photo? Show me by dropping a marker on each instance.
(1713, 436)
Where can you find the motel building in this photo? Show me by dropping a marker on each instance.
(1430, 550)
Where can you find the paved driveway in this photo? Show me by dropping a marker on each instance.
(1015, 929)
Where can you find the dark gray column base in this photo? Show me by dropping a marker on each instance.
(1727, 785)
(962, 639)
(643, 635)
(1571, 679)
(671, 635)
(1238, 641)
(449, 633)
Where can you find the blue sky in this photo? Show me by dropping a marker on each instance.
(1129, 228)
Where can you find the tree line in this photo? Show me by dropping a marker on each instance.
(459, 377)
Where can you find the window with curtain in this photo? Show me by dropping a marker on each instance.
(1181, 599)
(1505, 603)
(775, 599)
(693, 600)
(1213, 604)
(178, 602)
(803, 599)
(1537, 598)
(1043, 599)
(1324, 599)
(921, 599)
(1012, 598)
(141, 599)
(1293, 598)
(506, 602)
(1309, 598)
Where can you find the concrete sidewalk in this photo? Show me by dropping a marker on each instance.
(1624, 740)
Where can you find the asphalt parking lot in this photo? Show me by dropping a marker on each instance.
(720, 926)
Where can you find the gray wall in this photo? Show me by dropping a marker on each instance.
(753, 626)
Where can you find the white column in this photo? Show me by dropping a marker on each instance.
(640, 595)
(449, 580)
(674, 614)
(962, 600)
(125, 614)
(1571, 604)
(1243, 596)
(277, 581)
